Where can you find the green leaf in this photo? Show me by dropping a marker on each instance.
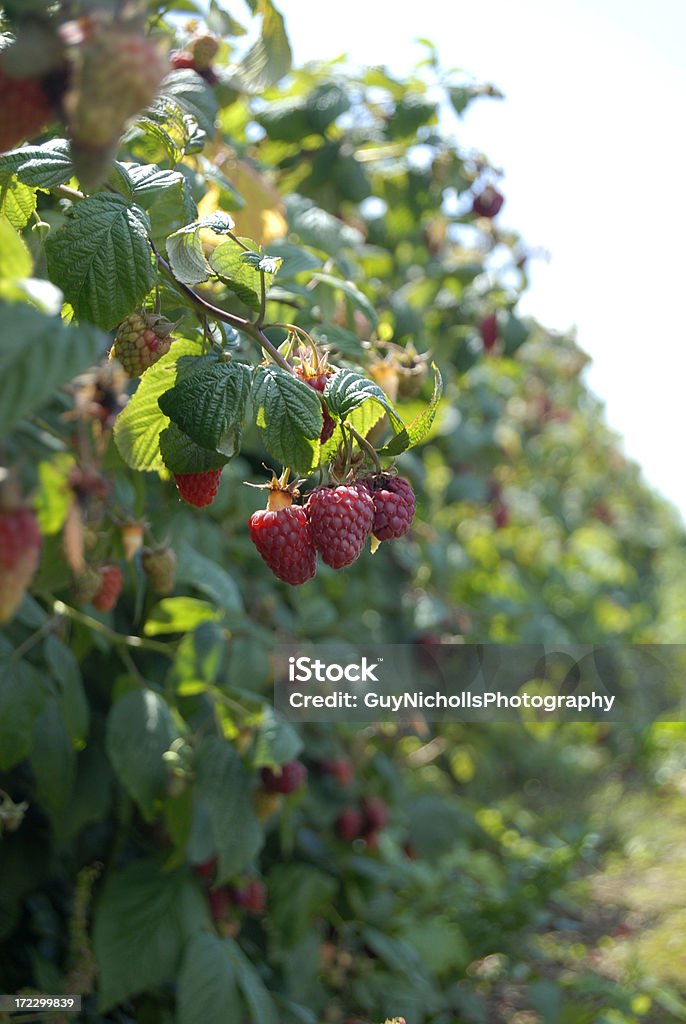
(38, 354)
(52, 759)
(325, 103)
(17, 202)
(351, 292)
(224, 786)
(240, 270)
(298, 893)
(194, 95)
(138, 427)
(23, 691)
(65, 671)
(209, 577)
(209, 405)
(185, 249)
(102, 260)
(42, 166)
(15, 259)
(181, 454)
(286, 120)
(168, 124)
(421, 425)
(277, 741)
(179, 615)
(140, 727)
(207, 986)
(270, 58)
(318, 228)
(294, 259)
(165, 195)
(55, 497)
(347, 390)
(142, 919)
(260, 1003)
(288, 414)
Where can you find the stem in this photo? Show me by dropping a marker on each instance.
(263, 301)
(253, 331)
(35, 638)
(364, 443)
(234, 238)
(60, 608)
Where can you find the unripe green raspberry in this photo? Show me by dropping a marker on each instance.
(141, 340)
(159, 566)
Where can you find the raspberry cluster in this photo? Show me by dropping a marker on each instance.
(335, 522)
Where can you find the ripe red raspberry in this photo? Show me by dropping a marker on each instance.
(341, 519)
(292, 776)
(316, 378)
(252, 896)
(375, 813)
(488, 202)
(140, 341)
(183, 59)
(349, 824)
(20, 547)
(207, 869)
(198, 489)
(110, 588)
(394, 505)
(159, 566)
(117, 73)
(341, 768)
(220, 902)
(26, 108)
(488, 329)
(282, 535)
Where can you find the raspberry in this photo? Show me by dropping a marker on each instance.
(85, 585)
(394, 505)
(341, 768)
(141, 340)
(316, 378)
(252, 896)
(159, 566)
(117, 72)
(341, 519)
(220, 902)
(292, 776)
(204, 49)
(183, 59)
(488, 202)
(375, 813)
(282, 535)
(349, 824)
(110, 588)
(25, 109)
(488, 329)
(207, 869)
(198, 489)
(20, 547)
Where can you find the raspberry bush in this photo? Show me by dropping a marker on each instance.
(193, 286)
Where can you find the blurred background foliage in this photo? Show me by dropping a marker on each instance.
(525, 873)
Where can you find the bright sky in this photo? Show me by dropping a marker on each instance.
(591, 136)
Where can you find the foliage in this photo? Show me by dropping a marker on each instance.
(335, 209)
